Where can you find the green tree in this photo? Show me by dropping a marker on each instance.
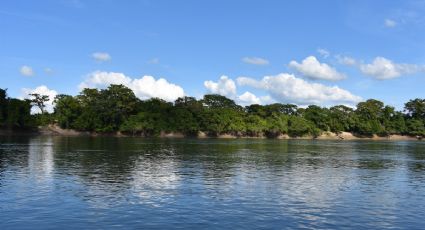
(215, 101)
(145, 123)
(39, 101)
(18, 114)
(3, 106)
(370, 115)
(415, 127)
(67, 110)
(299, 126)
(319, 116)
(341, 118)
(107, 109)
(277, 124)
(183, 120)
(415, 108)
(255, 125)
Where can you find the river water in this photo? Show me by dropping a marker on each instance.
(135, 183)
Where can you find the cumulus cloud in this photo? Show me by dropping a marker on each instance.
(248, 98)
(101, 56)
(346, 60)
(382, 69)
(42, 90)
(255, 61)
(145, 87)
(325, 53)
(26, 70)
(148, 87)
(287, 88)
(224, 86)
(390, 23)
(313, 69)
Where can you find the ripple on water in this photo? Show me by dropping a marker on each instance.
(109, 183)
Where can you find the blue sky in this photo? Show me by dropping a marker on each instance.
(303, 52)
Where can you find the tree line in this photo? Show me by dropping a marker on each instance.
(116, 108)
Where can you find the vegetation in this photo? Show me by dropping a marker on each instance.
(118, 109)
(15, 113)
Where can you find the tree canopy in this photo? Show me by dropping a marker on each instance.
(116, 108)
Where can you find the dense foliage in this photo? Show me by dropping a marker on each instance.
(118, 109)
(15, 113)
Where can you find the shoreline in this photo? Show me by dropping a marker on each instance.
(53, 130)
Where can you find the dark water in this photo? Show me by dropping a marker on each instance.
(116, 183)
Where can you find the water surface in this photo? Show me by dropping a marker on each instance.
(114, 183)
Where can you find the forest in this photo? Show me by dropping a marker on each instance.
(116, 108)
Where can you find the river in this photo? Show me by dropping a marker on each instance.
(52, 182)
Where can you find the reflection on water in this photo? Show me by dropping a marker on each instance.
(40, 158)
(154, 178)
(106, 182)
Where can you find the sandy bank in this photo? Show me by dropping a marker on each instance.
(351, 136)
(56, 130)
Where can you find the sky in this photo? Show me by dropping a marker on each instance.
(302, 52)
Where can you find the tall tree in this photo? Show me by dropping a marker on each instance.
(215, 101)
(415, 108)
(3, 106)
(39, 100)
(67, 109)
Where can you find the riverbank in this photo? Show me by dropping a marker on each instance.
(57, 131)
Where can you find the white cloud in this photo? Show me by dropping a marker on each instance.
(224, 86)
(99, 79)
(101, 56)
(227, 87)
(325, 53)
(390, 23)
(287, 88)
(255, 61)
(312, 68)
(26, 70)
(345, 60)
(42, 90)
(382, 69)
(144, 88)
(147, 87)
(248, 98)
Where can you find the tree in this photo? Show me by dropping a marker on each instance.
(371, 109)
(215, 101)
(255, 125)
(341, 118)
(370, 116)
(276, 124)
(107, 109)
(415, 108)
(298, 126)
(183, 120)
(146, 123)
(67, 110)
(256, 109)
(415, 127)
(319, 116)
(18, 114)
(117, 108)
(189, 103)
(119, 102)
(3, 106)
(222, 120)
(395, 124)
(39, 101)
(415, 120)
